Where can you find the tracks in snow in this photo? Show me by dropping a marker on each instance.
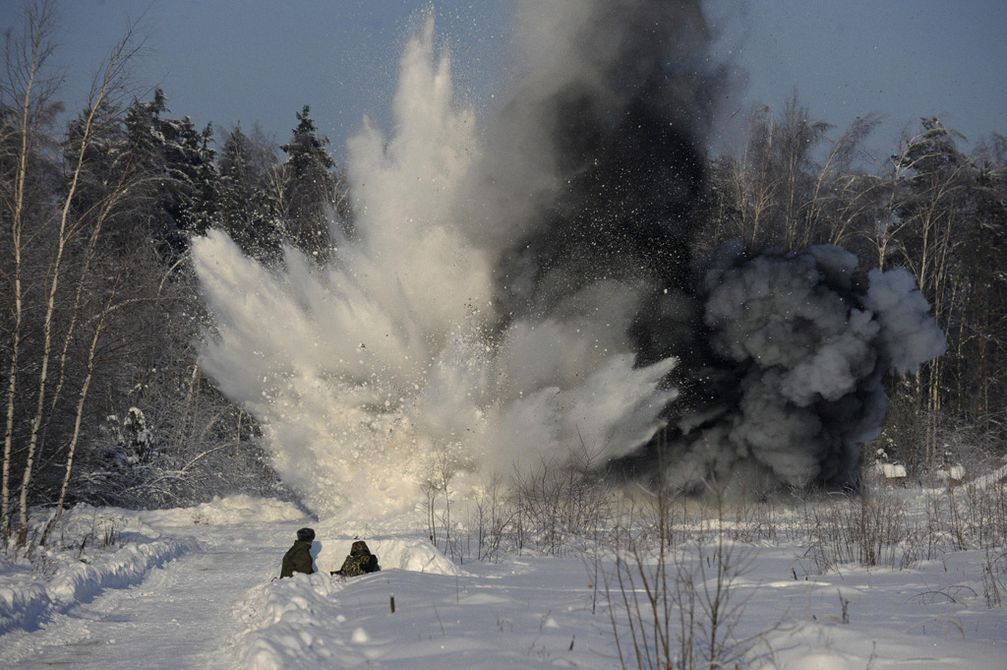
(182, 615)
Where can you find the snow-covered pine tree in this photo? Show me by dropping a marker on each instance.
(309, 188)
(179, 170)
(247, 208)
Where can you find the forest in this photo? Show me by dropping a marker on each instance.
(103, 397)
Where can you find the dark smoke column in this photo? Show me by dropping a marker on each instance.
(600, 161)
(618, 107)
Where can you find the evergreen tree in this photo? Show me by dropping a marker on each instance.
(180, 176)
(309, 190)
(102, 166)
(246, 208)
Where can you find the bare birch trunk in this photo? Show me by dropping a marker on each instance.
(102, 216)
(78, 416)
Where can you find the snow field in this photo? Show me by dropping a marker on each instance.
(538, 612)
(524, 613)
(215, 606)
(932, 615)
(402, 552)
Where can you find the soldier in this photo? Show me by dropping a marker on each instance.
(359, 562)
(298, 557)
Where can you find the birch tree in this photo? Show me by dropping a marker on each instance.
(27, 91)
(106, 83)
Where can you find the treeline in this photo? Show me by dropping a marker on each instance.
(930, 207)
(102, 398)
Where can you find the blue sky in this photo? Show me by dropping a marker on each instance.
(901, 58)
(260, 60)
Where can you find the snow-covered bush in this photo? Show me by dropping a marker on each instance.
(870, 529)
(180, 443)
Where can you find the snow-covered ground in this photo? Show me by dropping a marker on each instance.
(193, 588)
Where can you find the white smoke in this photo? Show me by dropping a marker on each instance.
(372, 374)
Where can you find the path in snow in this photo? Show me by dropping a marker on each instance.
(182, 615)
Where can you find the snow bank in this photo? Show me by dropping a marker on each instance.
(229, 510)
(405, 553)
(289, 622)
(125, 567)
(285, 623)
(23, 605)
(27, 601)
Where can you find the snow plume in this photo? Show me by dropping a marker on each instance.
(522, 292)
(400, 359)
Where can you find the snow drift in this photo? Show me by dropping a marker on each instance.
(27, 601)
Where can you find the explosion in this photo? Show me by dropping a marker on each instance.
(524, 292)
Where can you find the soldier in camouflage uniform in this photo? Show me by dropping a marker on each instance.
(298, 557)
(359, 562)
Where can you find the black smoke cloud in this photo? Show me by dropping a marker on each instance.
(799, 344)
(782, 355)
(624, 105)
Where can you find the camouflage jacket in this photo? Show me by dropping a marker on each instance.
(297, 559)
(359, 562)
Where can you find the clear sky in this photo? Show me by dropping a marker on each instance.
(260, 60)
(901, 58)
